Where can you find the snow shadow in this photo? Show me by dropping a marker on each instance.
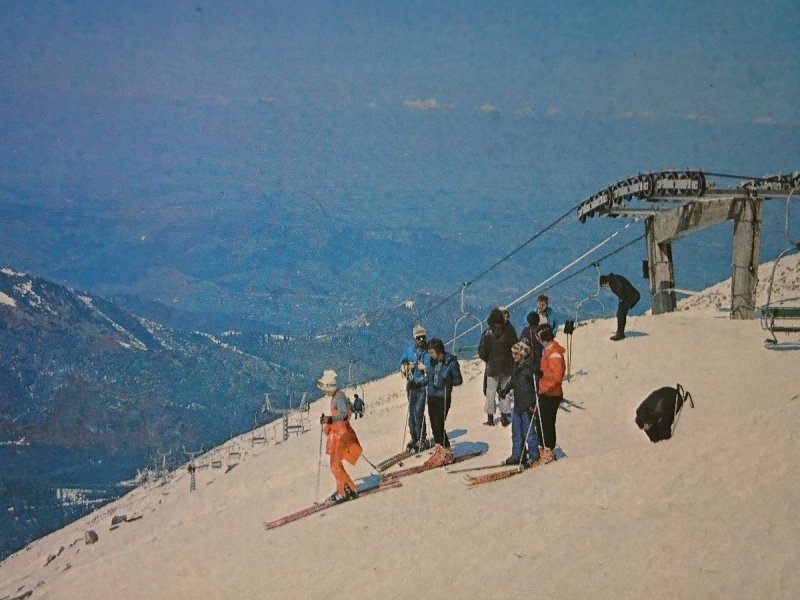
(781, 346)
(456, 433)
(636, 334)
(462, 448)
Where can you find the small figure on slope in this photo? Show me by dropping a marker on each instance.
(358, 407)
(524, 385)
(413, 365)
(445, 373)
(495, 350)
(551, 394)
(342, 442)
(628, 297)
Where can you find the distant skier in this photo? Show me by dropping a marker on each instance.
(444, 374)
(342, 441)
(628, 297)
(358, 407)
(495, 350)
(524, 386)
(550, 392)
(414, 365)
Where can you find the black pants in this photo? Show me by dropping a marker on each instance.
(548, 407)
(622, 316)
(437, 412)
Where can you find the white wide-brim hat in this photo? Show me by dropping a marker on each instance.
(328, 381)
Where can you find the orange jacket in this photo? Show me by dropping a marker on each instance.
(553, 367)
(342, 440)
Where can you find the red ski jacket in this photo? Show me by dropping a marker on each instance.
(553, 369)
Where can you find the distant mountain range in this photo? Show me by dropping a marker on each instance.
(89, 391)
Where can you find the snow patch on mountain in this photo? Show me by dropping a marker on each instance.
(134, 341)
(7, 300)
(25, 290)
(11, 272)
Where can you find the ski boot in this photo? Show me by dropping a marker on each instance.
(441, 456)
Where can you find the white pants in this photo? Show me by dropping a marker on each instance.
(492, 385)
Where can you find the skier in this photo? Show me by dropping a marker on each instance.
(529, 335)
(495, 350)
(628, 297)
(342, 441)
(358, 407)
(414, 365)
(444, 374)
(524, 386)
(550, 393)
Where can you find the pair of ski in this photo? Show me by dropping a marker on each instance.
(502, 473)
(392, 480)
(363, 490)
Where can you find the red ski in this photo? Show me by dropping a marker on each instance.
(473, 480)
(423, 468)
(386, 484)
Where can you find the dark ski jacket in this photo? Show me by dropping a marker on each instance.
(523, 384)
(529, 335)
(495, 349)
(444, 374)
(623, 289)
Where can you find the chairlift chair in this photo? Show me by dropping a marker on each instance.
(465, 316)
(591, 298)
(215, 460)
(234, 455)
(788, 316)
(358, 388)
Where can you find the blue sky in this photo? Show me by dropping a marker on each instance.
(148, 115)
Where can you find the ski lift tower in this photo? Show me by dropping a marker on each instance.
(700, 204)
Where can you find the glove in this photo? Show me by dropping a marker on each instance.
(325, 420)
(532, 409)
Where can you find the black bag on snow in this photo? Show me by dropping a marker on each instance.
(658, 414)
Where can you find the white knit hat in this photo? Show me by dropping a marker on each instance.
(419, 330)
(327, 382)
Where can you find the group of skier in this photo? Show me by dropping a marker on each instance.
(524, 373)
(529, 369)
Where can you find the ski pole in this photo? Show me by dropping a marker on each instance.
(422, 442)
(444, 417)
(408, 414)
(528, 433)
(538, 409)
(319, 464)
(376, 469)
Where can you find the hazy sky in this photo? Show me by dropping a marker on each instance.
(727, 61)
(359, 106)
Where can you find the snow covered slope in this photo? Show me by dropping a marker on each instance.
(711, 513)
